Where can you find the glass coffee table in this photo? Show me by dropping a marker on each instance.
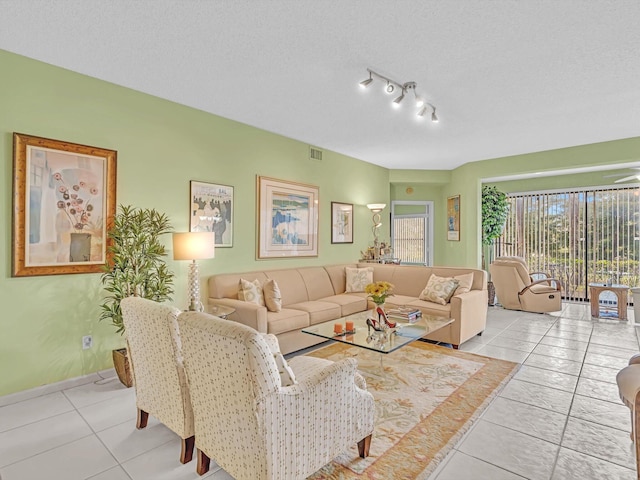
(383, 342)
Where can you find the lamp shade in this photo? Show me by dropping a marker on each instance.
(376, 207)
(194, 245)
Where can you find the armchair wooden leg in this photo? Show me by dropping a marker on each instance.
(363, 446)
(143, 418)
(186, 455)
(203, 462)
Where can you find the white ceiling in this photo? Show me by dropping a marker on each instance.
(507, 77)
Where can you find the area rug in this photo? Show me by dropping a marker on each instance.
(426, 398)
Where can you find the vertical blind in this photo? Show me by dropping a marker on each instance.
(578, 237)
(409, 238)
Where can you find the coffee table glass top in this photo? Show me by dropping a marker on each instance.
(394, 338)
(221, 311)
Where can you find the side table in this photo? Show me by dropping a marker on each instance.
(620, 291)
(221, 311)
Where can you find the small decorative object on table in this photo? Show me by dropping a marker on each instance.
(378, 292)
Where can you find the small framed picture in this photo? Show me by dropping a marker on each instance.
(212, 211)
(341, 222)
(453, 218)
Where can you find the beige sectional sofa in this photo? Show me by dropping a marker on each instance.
(312, 295)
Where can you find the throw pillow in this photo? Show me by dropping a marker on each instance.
(250, 291)
(439, 289)
(272, 297)
(464, 283)
(287, 377)
(358, 278)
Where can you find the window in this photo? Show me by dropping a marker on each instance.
(579, 237)
(412, 232)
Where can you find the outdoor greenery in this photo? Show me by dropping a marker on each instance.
(137, 266)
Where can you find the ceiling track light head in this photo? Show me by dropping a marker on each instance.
(396, 102)
(422, 112)
(434, 117)
(367, 82)
(390, 88)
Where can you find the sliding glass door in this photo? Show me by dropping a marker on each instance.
(578, 237)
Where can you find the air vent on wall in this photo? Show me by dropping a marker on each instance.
(315, 153)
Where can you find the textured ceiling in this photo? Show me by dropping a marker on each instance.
(507, 77)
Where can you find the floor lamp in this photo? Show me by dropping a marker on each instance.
(194, 246)
(376, 208)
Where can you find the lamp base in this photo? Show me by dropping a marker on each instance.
(195, 305)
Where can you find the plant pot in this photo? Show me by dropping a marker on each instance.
(123, 366)
(491, 289)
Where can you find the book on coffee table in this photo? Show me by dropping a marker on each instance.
(406, 314)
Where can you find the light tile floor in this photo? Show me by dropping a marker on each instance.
(559, 418)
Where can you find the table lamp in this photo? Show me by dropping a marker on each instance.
(194, 246)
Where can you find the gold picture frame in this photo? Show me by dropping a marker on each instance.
(64, 201)
(453, 218)
(287, 219)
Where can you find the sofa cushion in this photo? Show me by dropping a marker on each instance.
(464, 283)
(358, 278)
(225, 285)
(286, 320)
(398, 301)
(349, 303)
(430, 308)
(318, 311)
(338, 276)
(250, 291)
(439, 289)
(292, 287)
(272, 296)
(410, 279)
(317, 281)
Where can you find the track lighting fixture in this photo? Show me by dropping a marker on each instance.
(367, 82)
(391, 86)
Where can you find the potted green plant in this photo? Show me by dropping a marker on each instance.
(136, 268)
(495, 209)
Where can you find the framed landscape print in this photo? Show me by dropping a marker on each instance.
(453, 218)
(212, 211)
(64, 200)
(341, 222)
(287, 219)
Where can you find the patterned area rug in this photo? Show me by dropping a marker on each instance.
(426, 398)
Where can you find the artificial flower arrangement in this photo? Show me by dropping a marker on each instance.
(379, 291)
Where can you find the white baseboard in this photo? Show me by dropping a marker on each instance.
(56, 387)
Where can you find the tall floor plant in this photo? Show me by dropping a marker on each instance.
(495, 209)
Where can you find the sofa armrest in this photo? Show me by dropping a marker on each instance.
(247, 313)
(470, 312)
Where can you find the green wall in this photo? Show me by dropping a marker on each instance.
(161, 147)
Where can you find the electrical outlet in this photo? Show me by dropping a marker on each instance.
(87, 342)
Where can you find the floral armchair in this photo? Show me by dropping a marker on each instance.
(249, 423)
(153, 341)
